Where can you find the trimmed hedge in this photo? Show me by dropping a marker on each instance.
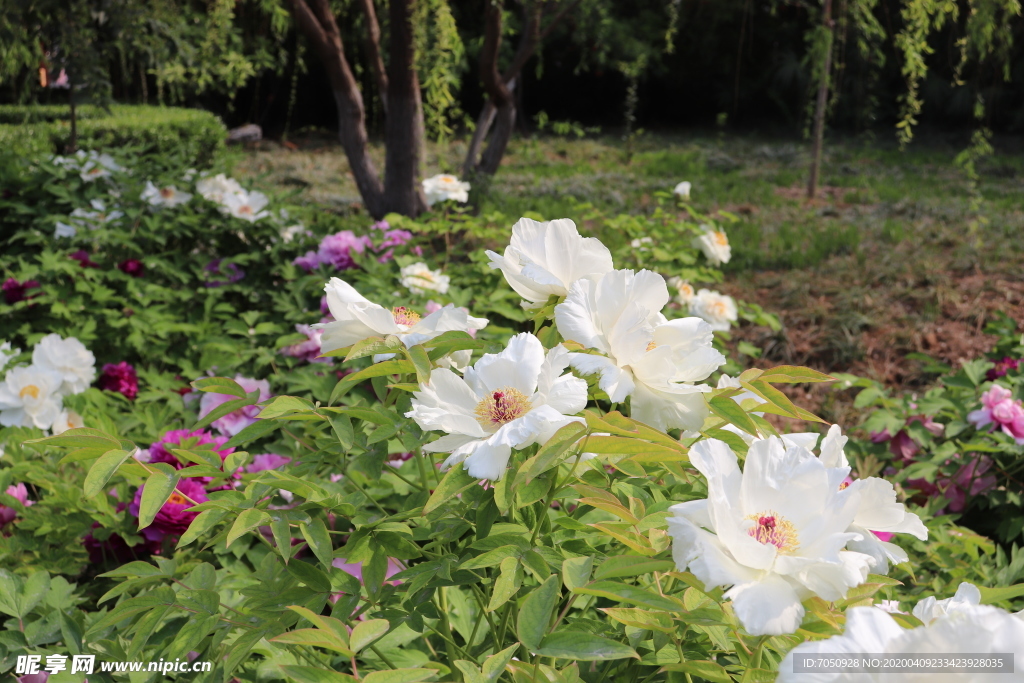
(195, 135)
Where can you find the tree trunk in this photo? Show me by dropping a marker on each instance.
(73, 143)
(316, 22)
(371, 44)
(505, 123)
(403, 128)
(821, 105)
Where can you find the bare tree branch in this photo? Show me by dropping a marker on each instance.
(371, 44)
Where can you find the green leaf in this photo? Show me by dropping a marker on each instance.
(507, 583)
(583, 647)
(310, 575)
(319, 541)
(551, 452)
(102, 470)
(618, 566)
(708, 670)
(535, 613)
(219, 385)
(731, 412)
(252, 398)
(82, 437)
(492, 557)
(158, 488)
(310, 674)
(421, 361)
(246, 522)
(283, 405)
(1000, 594)
(793, 374)
(400, 676)
(33, 592)
(256, 430)
(314, 637)
(455, 482)
(496, 663)
(388, 367)
(576, 571)
(206, 520)
(621, 592)
(367, 632)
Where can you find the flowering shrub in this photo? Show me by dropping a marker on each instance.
(511, 465)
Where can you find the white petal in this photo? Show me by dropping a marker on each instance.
(769, 607)
(564, 393)
(615, 381)
(517, 366)
(488, 461)
(446, 403)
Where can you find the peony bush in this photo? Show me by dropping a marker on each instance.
(325, 454)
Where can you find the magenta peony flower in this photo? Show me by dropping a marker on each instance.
(267, 461)
(324, 308)
(902, 445)
(307, 350)
(308, 262)
(82, 256)
(236, 421)
(969, 481)
(120, 378)
(356, 569)
(14, 291)
(20, 494)
(392, 238)
(1000, 410)
(397, 459)
(175, 438)
(1002, 367)
(174, 517)
(336, 250)
(115, 549)
(42, 676)
(215, 268)
(132, 267)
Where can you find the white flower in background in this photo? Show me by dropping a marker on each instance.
(30, 397)
(246, 205)
(718, 310)
(929, 609)
(164, 196)
(682, 190)
(646, 356)
(98, 166)
(642, 243)
(67, 419)
(544, 259)
(890, 606)
(775, 533)
(420, 279)
(684, 290)
(64, 230)
(292, 231)
(189, 174)
(7, 352)
(99, 214)
(973, 629)
(506, 400)
(75, 364)
(715, 245)
(356, 319)
(217, 188)
(443, 187)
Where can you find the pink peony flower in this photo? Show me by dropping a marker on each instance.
(969, 481)
(20, 494)
(397, 459)
(324, 308)
(392, 238)
(173, 518)
(120, 378)
(308, 261)
(132, 267)
(356, 569)
(1000, 410)
(336, 250)
(236, 421)
(267, 461)
(175, 438)
(902, 445)
(42, 676)
(307, 350)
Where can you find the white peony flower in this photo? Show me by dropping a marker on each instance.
(64, 230)
(420, 279)
(684, 290)
(775, 533)
(30, 397)
(98, 215)
(544, 259)
(642, 243)
(67, 419)
(507, 400)
(890, 606)
(646, 356)
(715, 245)
(98, 166)
(292, 231)
(356, 319)
(718, 310)
(245, 205)
(215, 189)
(164, 196)
(929, 609)
(682, 190)
(971, 629)
(69, 358)
(7, 352)
(444, 187)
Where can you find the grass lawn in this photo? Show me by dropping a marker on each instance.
(889, 262)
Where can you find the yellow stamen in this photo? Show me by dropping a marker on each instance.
(405, 316)
(501, 407)
(178, 499)
(721, 239)
(772, 529)
(31, 390)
